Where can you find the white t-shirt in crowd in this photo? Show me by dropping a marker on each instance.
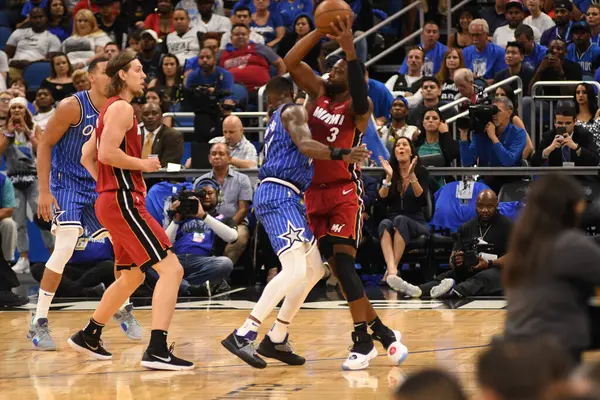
(192, 8)
(42, 118)
(31, 46)
(185, 46)
(82, 48)
(254, 37)
(541, 23)
(217, 23)
(3, 68)
(505, 34)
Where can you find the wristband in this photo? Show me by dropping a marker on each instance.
(386, 184)
(338, 154)
(8, 134)
(204, 217)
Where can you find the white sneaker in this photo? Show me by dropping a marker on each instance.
(22, 266)
(443, 288)
(400, 285)
(358, 361)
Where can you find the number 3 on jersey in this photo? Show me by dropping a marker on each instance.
(333, 134)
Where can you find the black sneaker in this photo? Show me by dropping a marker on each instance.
(202, 290)
(164, 360)
(10, 299)
(243, 348)
(86, 344)
(94, 291)
(220, 287)
(280, 351)
(386, 337)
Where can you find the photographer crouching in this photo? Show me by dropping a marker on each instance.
(495, 142)
(478, 255)
(199, 235)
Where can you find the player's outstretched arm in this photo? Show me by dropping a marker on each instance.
(118, 119)
(89, 156)
(301, 72)
(295, 119)
(67, 113)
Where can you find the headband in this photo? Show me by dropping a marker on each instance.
(18, 100)
(402, 99)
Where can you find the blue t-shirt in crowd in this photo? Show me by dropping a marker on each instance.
(61, 32)
(8, 193)
(450, 211)
(432, 63)
(268, 31)
(194, 236)
(221, 79)
(582, 5)
(290, 11)
(550, 34)
(27, 7)
(597, 75)
(507, 152)
(381, 97)
(485, 64)
(586, 60)
(158, 199)
(537, 56)
(90, 250)
(273, 7)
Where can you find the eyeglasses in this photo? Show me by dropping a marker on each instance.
(4, 100)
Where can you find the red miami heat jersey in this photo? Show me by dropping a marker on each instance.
(111, 178)
(332, 124)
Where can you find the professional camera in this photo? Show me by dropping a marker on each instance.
(203, 99)
(480, 114)
(189, 202)
(471, 252)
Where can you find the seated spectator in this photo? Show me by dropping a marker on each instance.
(495, 16)
(538, 18)
(208, 20)
(81, 80)
(150, 54)
(5, 98)
(168, 81)
(433, 49)
(586, 107)
(533, 53)
(515, 119)
(134, 40)
(111, 21)
(249, 62)
(111, 50)
(302, 26)
(593, 18)
(500, 145)
(45, 104)
(513, 58)
(268, 24)
(431, 91)
(562, 20)
(60, 22)
(404, 192)
(237, 195)
(555, 67)
(409, 83)
(28, 45)
(8, 226)
(242, 152)
(462, 38)
(485, 59)
(159, 139)
(9, 280)
(243, 16)
(184, 42)
(3, 70)
(191, 7)
(161, 21)
(453, 60)
(397, 127)
(430, 384)
(19, 88)
(289, 12)
(382, 100)
(515, 14)
(522, 369)
(583, 51)
(27, 8)
(484, 277)
(87, 41)
(153, 96)
(199, 240)
(136, 12)
(60, 82)
(573, 146)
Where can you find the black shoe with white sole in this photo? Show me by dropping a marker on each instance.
(164, 360)
(280, 351)
(86, 344)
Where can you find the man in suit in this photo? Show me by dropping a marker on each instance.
(566, 144)
(158, 138)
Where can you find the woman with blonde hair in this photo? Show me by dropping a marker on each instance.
(453, 60)
(18, 144)
(87, 41)
(81, 80)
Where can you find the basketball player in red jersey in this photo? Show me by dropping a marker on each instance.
(339, 110)
(139, 241)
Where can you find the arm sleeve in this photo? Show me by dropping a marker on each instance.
(510, 156)
(468, 152)
(8, 195)
(358, 88)
(172, 231)
(226, 233)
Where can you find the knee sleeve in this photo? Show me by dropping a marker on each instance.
(315, 270)
(65, 242)
(348, 278)
(293, 265)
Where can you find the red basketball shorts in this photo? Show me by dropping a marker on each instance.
(335, 210)
(138, 240)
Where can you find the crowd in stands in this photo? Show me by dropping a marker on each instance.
(211, 57)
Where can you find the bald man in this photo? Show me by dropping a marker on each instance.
(479, 276)
(241, 150)
(159, 139)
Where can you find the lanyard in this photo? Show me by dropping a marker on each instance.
(566, 35)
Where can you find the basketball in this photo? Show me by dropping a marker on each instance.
(397, 353)
(328, 11)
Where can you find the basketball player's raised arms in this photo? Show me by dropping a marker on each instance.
(301, 72)
(67, 113)
(89, 156)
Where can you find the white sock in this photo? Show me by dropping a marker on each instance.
(249, 326)
(127, 302)
(43, 304)
(278, 332)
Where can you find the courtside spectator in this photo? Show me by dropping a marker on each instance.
(485, 59)
(184, 42)
(434, 50)
(87, 41)
(60, 81)
(242, 15)
(28, 45)
(45, 104)
(515, 14)
(161, 21)
(111, 50)
(60, 22)
(563, 16)
(555, 67)
(397, 127)
(111, 22)
(515, 119)
(208, 20)
(242, 152)
(159, 139)
(586, 107)
(513, 57)
(537, 19)
(533, 53)
(434, 139)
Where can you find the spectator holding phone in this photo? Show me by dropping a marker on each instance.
(567, 144)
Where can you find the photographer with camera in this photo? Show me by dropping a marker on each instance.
(199, 235)
(567, 144)
(477, 257)
(207, 91)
